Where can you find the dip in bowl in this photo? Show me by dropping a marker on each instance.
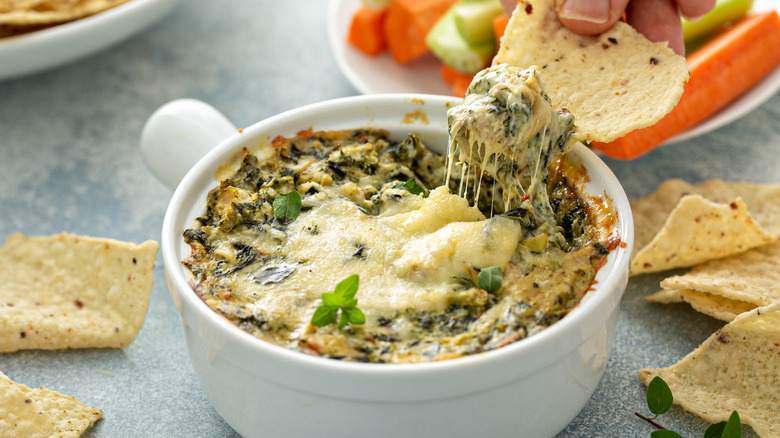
(531, 387)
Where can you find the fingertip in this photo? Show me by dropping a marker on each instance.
(695, 9)
(658, 20)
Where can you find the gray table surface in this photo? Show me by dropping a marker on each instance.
(69, 161)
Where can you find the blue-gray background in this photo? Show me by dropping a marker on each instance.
(69, 161)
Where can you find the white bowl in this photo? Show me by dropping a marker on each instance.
(530, 388)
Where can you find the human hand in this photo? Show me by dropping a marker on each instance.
(658, 20)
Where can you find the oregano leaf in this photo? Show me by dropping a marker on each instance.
(324, 316)
(348, 287)
(332, 300)
(354, 315)
(733, 427)
(659, 396)
(490, 279)
(715, 430)
(287, 207)
(343, 319)
(342, 298)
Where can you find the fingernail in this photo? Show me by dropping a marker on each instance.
(594, 11)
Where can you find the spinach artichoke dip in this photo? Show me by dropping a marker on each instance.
(450, 257)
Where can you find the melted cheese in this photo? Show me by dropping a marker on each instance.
(417, 256)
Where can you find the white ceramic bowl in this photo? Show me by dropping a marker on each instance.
(532, 388)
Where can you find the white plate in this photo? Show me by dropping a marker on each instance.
(380, 74)
(54, 46)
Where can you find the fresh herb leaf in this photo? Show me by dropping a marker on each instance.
(323, 316)
(664, 433)
(354, 315)
(348, 287)
(715, 430)
(343, 298)
(287, 207)
(659, 396)
(490, 279)
(412, 186)
(733, 428)
(660, 400)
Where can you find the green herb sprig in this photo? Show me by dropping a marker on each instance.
(287, 207)
(660, 400)
(490, 279)
(411, 186)
(343, 297)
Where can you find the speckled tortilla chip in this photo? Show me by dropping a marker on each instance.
(698, 230)
(752, 276)
(40, 12)
(726, 287)
(713, 305)
(27, 412)
(735, 369)
(67, 291)
(652, 213)
(613, 83)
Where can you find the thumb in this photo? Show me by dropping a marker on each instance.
(590, 17)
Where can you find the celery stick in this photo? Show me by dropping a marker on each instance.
(451, 47)
(725, 11)
(474, 19)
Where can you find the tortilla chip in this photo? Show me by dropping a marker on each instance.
(651, 212)
(735, 369)
(698, 230)
(613, 83)
(715, 306)
(40, 12)
(752, 277)
(26, 412)
(67, 291)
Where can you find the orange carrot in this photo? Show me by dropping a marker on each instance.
(499, 26)
(721, 70)
(366, 30)
(458, 81)
(407, 24)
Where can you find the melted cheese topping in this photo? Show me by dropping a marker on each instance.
(417, 256)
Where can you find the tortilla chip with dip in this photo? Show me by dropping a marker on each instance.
(27, 412)
(68, 291)
(684, 224)
(724, 288)
(735, 369)
(613, 83)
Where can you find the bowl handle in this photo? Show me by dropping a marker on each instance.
(179, 134)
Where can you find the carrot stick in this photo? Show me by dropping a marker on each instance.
(407, 24)
(366, 30)
(721, 70)
(499, 26)
(458, 81)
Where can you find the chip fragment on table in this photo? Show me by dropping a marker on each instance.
(67, 291)
(613, 83)
(735, 369)
(30, 413)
